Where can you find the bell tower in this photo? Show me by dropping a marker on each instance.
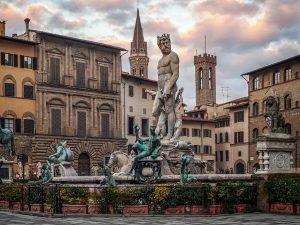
(205, 78)
(138, 58)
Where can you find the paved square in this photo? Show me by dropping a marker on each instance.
(9, 218)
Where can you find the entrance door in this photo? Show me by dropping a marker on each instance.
(240, 168)
(84, 165)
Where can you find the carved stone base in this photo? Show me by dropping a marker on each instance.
(148, 170)
(275, 153)
(6, 175)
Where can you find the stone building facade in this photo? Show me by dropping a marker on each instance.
(200, 132)
(78, 98)
(205, 79)
(137, 106)
(17, 97)
(280, 79)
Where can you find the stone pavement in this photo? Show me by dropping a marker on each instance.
(8, 218)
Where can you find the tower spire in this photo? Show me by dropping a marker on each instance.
(138, 59)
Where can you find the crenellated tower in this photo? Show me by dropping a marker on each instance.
(138, 58)
(205, 78)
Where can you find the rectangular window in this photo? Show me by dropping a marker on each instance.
(207, 133)
(130, 125)
(145, 127)
(104, 78)
(130, 90)
(28, 91)
(55, 70)
(276, 77)
(196, 133)
(9, 89)
(238, 137)
(28, 62)
(207, 149)
(239, 116)
(9, 59)
(256, 83)
(80, 74)
(28, 126)
(185, 132)
(144, 111)
(81, 124)
(221, 156)
(227, 155)
(210, 165)
(216, 156)
(288, 74)
(56, 121)
(9, 124)
(144, 94)
(130, 108)
(105, 128)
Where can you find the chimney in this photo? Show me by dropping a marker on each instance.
(2, 28)
(27, 20)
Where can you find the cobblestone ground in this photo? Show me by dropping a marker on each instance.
(8, 218)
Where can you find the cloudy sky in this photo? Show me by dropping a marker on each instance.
(244, 34)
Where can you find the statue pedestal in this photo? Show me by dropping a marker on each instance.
(275, 153)
(148, 170)
(6, 173)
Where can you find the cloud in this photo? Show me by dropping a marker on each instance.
(58, 20)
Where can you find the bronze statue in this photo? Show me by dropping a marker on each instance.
(6, 138)
(273, 116)
(108, 179)
(46, 174)
(144, 147)
(62, 154)
(184, 173)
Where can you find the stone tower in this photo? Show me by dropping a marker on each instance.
(205, 78)
(138, 58)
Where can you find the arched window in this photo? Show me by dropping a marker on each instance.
(9, 88)
(254, 134)
(226, 137)
(288, 128)
(255, 109)
(264, 109)
(221, 137)
(200, 73)
(287, 102)
(28, 90)
(210, 78)
(84, 164)
(142, 71)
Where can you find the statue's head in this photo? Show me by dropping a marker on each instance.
(164, 43)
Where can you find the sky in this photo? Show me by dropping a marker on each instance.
(243, 34)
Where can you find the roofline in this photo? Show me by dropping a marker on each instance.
(127, 75)
(197, 119)
(18, 40)
(271, 65)
(80, 40)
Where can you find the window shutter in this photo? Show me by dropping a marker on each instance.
(35, 63)
(2, 58)
(18, 125)
(56, 121)
(21, 61)
(28, 126)
(15, 60)
(2, 122)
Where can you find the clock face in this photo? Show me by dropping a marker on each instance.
(269, 121)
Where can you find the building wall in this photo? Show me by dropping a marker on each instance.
(267, 88)
(136, 106)
(200, 140)
(71, 97)
(17, 107)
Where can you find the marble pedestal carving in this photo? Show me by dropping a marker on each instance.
(6, 174)
(275, 153)
(148, 170)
